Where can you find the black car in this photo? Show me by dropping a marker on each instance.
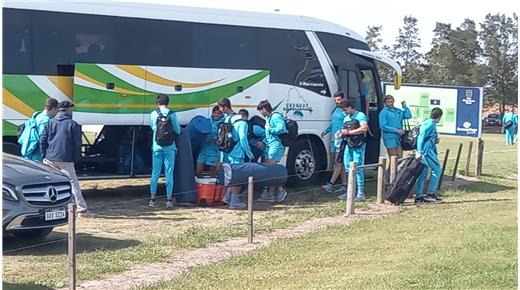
(35, 197)
(493, 119)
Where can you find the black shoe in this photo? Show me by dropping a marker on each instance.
(435, 197)
(419, 200)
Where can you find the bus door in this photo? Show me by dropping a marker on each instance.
(356, 93)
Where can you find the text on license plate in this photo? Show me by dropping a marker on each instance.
(55, 214)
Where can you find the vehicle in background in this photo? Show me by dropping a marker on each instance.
(34, 197)
(112, 59)
(493, 119)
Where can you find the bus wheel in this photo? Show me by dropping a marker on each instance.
(11, 148)
(303, 163)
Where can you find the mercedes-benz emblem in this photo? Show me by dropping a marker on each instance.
(52, 194)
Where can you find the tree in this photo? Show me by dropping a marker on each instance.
(375, 42)
(405, 50)
(499, 36)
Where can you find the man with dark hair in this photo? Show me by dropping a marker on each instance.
(239, 151)
(427, 153)
(163, 122)
(60, 146)
(274, 127)
(336, 124)
(30, 138)
(209, 154)
(355, 125)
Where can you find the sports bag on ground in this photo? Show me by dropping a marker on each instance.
(354, 140)
(409, 139)
(406, 177)
(292, 131)
(165, 135)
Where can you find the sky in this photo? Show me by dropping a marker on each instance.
(358, 15)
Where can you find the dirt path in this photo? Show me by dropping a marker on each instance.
(153, 273)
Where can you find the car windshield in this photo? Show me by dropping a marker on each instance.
(493, 116)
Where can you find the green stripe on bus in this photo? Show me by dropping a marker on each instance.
(25, 90)
(105, 77)
(9, 129)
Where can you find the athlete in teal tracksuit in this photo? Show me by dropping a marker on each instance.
(163, 155)
(209, 154)
(515, 132)
(355, 154)
(510, 132)
(391, 123)
(336, 124)
(427, 153)
(241, 149)
(30, 148)
(274, 127)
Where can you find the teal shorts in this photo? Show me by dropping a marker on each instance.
(274, 153)
(392, 143)
(207, 158)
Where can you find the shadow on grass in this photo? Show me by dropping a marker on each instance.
(84, 243)
(485, 187)
(477, 201)
(24, 286)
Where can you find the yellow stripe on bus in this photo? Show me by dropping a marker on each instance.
(64, 84)
(151, 77)
(123, 106)
(16, 104)
(91, 80)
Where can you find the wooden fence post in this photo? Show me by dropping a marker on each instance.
(459, 151)
(381, 180)
(443, 168)
(72, 246)
(250, 209)
(468, 160)
(351, 188)
(480, 157)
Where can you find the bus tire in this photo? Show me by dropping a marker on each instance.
(304, 161)
(11, 148)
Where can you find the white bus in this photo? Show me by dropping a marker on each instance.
(112, 59)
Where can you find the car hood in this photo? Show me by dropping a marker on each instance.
(17, 170)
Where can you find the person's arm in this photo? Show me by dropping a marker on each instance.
(175, 123)
(153, 120)
(41, 126)
(407, 113)
(76, 141)
(383, 123)
(43, 140)
(278, 125)
(242, 138)
(363, 126)
(421, 139)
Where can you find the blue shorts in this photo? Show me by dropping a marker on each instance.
(207, 158)
(392, 143)
(274, 153)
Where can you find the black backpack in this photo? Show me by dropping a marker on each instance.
(354, 140)
(165, 135)
(409, 139)
(225, 141)
(292, 132)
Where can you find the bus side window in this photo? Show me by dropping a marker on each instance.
(368, 89)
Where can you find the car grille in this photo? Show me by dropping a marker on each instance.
(47, 194)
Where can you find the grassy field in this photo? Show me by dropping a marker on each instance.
(467, 242)
(129, 233)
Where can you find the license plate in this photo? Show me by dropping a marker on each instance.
(55, 214)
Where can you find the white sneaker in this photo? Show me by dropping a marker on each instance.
(280, 196)
(266, 197)
(86, 214)
(327, 187)
(152, 203)
(342, 189)
(169, 204)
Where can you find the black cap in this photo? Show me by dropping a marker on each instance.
(63, 105)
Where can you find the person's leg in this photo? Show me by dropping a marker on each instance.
(70, 171)
(399, 152)
(508, 133)
(347, 157)
(420, 182)
(199, 170)
(157, 164)
(336, 171)
(169, 166)
(235, 190)
(271, 190)
(359, 159)
(435, 166)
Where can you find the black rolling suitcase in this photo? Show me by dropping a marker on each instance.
(399, 189)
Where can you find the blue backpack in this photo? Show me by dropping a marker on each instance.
(29, 137)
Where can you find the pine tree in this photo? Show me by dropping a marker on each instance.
(405, 50)
(375, 42)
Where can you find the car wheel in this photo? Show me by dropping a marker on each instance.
(36, 234)
(304, 162)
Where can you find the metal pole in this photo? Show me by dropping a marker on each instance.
(393, 168)
(480, 157)
(132, 172)
(381, 180)
(72, 246)
(250, 210)
(459, 151)
(468, 160)
(443, 168)
(351, 187)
